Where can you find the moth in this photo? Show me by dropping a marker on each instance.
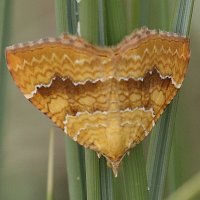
(105, 98)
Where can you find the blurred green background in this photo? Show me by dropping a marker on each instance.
(27, 130)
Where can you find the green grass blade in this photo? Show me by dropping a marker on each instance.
(101, 23)
(92, 175)
(188, 190)
(181, 26)
(61, 16)
(135, 174)
(106, 175)
(156, 148)
(144, 11)
(72, 16)
(89, 28)
(164, 12)
(88, 15)
(74, 153)
(115, 23)
(119, 185)
(81, 162)
(116, 29)
(182, 19)
(174, 171)
(106, 181)
(50, 167)
(158, 14)
(158, 158)
(111, 9)
(132, 15)
(73, 170)
(5, 10)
